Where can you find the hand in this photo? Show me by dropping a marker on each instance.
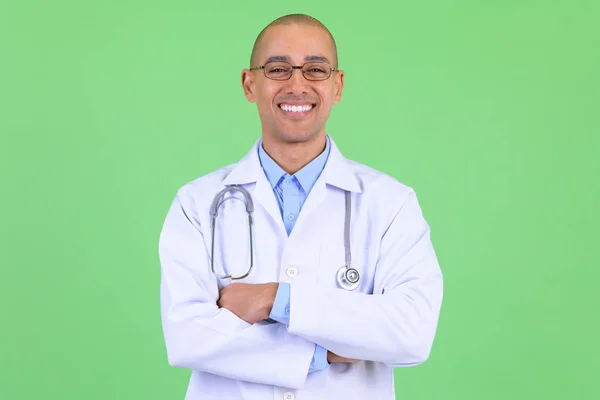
(334, 358)
(250, 302)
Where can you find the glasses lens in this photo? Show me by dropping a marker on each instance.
(316, 71)
(278, 70)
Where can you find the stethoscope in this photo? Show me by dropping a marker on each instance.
(347, 277)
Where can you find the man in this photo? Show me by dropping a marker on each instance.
(297, 326)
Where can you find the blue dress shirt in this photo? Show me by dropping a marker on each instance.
(291, 192)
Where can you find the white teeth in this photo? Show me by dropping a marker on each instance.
(287, 107)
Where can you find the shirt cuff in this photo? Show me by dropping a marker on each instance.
(281, 307)
(319, 361)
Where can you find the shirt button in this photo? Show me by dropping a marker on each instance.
(289, 396)
(291, 217)
(292, 272)
(287, 310)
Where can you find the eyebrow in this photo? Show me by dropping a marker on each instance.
(311, 58)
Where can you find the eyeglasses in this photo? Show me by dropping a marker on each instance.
(283, 70)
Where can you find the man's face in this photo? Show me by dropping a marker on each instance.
(297, 44)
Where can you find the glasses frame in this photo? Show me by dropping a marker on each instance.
(300, 67)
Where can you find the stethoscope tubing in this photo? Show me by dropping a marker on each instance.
(348, 277)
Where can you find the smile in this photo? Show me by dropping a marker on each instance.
(296, 109)
(303, 108)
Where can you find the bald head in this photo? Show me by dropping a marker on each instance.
(291, 19)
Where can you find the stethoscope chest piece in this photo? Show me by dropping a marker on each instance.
(348, 278)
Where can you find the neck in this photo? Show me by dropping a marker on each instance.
(293, 156)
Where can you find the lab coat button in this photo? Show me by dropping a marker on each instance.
(292, 272)
(289, 396)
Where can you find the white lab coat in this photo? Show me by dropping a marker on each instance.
(389, 321)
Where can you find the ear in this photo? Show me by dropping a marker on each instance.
(339, 86)
(248, 85)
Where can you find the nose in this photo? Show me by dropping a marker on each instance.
(297, 84)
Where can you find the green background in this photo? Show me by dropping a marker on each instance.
(488, 109)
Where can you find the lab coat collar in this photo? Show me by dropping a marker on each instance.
(337, 172)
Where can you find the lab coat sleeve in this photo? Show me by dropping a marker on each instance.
(199, 335)
(396, 324)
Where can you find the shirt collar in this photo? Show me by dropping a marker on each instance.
(307, 176)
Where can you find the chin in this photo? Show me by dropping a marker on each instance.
(297, 136)
(294, 133)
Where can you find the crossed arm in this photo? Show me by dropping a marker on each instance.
(223, 333)
(254, 303)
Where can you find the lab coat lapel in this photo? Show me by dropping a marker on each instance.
(247, 171)
(337, 173)
(263, 194)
